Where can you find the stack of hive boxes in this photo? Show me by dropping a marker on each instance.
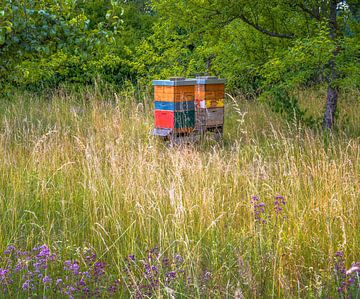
(209, 97)
(174, 106)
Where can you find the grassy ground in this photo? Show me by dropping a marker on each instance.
(80, 169)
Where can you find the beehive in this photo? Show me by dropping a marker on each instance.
(174, 105)
(209, 99)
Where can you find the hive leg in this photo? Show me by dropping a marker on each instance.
(218, 133)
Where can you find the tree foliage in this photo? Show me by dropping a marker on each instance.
(259, 46)
(46, 42)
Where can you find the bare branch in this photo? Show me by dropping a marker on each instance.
(313, 13)
(216, 12)
(263, 30)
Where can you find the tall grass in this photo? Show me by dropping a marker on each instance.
(81, 169)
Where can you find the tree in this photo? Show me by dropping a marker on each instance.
(332, 95)
(298, 31)
(43, 43)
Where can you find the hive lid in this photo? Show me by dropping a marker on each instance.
(206, 77)
(209, 80)
(177, 78)
(174, 81)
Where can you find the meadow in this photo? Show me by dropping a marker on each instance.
(272, 211)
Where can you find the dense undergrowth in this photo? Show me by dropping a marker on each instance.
(271, 211)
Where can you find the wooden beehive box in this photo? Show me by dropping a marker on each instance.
(174, 105)
(209, 99)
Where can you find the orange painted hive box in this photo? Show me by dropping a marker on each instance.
(174, 90)
(209, 92)
(174, 104)
(209, 99)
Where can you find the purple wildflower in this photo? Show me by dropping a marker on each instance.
(47, 280)
(44, 252)
(72, 266)
(9, 249)
(82, 282)
(26, 285)
(207, 275)
(147, 269)
(99, 269)
(155, 283)
(41, 265)
(3, 272)
(153, 253)
(347, 278)
(90, 257)
(178, 259)
(4, 280)
(86, 290)
(339, 254)
(59, 281)
(165, 262)
(340, 264)
(170, 276)
(69, 291)
(279, 204)
(114, 287)
(19, 266)
(258, 210)
(355, 268)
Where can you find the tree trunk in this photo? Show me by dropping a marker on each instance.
(332, 94)
(330, 109)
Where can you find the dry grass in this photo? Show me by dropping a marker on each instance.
(82, 172)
